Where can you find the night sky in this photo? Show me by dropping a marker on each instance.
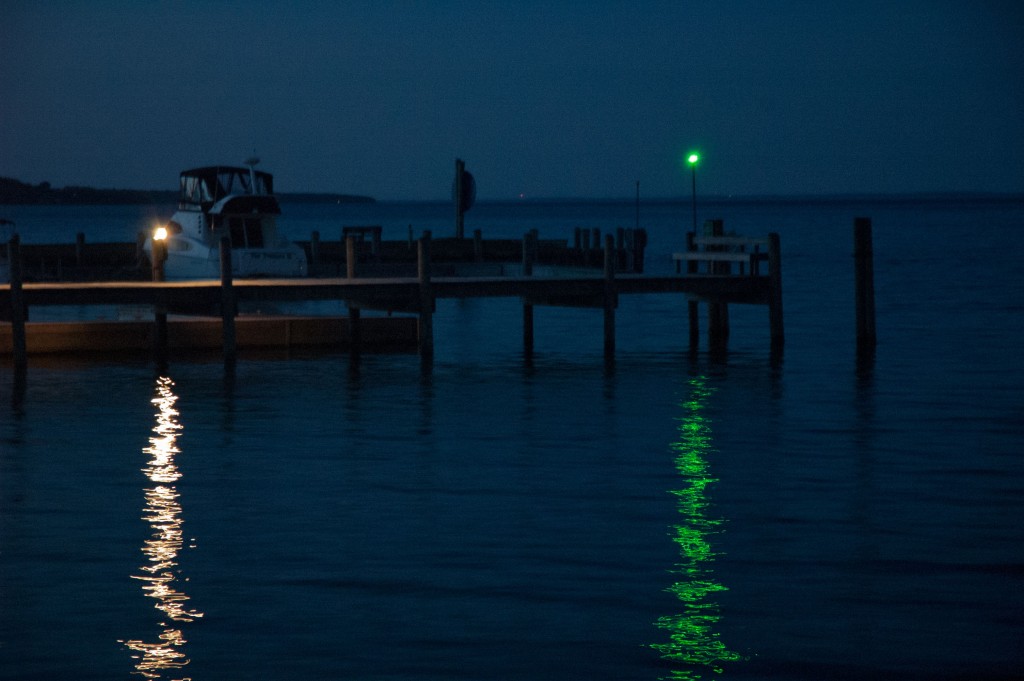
(541, 99)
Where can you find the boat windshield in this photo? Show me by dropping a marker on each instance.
(204, 186)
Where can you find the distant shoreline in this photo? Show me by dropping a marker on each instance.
(15, 192)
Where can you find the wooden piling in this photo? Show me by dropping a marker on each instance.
(478, 246)
(158, 256)
(425, 329)
(17, 304)
(864, 281)
(718, 312)
(610, 297)
(79, 248)
(460, 170)
(314, 248)
(350, 256)
(355, 332)
(528, 258)
(692, 306)
(227, 300)
(778, 336)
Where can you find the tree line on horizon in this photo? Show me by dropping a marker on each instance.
(14, 191)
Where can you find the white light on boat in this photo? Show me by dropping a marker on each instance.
(160, 234)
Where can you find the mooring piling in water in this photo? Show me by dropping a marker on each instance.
(426, 300)
(228, 306)
(529, 252)
(610, 297)
(864, 285)
(19, 346)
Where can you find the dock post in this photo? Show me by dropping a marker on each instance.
(79, 248)
(425, 329)
(775, 293)
(227, 301)
(355, 335)
(478, 245)
(864, 278)
(159, 256)
(639, 244)
(620, 249)
(17, 305)
(459, 191)
(375, 241)
(692, 306)
(610, 297)
(350, 256)
(314, 248)
(528, 258)
(718, 312)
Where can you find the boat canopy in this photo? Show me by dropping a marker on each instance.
(202, 187)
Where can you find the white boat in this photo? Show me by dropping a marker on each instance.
(233, 202)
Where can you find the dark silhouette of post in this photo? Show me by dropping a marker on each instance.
(775, 294)
(18, 343)
(610, 297)
(425, 332)
(693, 309)
(158, 254)
(864, 280)
(355, 334)
(718, 312)
(528, 258)
(460, 172)
(227, 301)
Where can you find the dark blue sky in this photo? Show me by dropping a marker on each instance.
(570, 99)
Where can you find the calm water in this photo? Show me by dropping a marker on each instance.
(673, 515)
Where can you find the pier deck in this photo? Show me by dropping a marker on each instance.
(716, 285)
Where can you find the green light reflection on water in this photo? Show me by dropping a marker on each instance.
(693, 641)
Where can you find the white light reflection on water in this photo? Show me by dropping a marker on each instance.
(158, 574)
(693, 640)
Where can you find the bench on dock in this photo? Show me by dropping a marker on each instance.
(713, 250)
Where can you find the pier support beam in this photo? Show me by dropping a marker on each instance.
(355, 335)
(864, 280)
(692, 306)
(158, 254)
(718, 313)
(227, 301)
(610, 298)
(528, 257)
(19, 347)
(778, 336)
(425, 331)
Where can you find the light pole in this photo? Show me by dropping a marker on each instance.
(692, 160)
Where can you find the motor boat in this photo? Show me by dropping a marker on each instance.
(226, 201)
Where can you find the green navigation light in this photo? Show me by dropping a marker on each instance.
(692, 159)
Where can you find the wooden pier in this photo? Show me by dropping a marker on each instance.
(708, 278)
